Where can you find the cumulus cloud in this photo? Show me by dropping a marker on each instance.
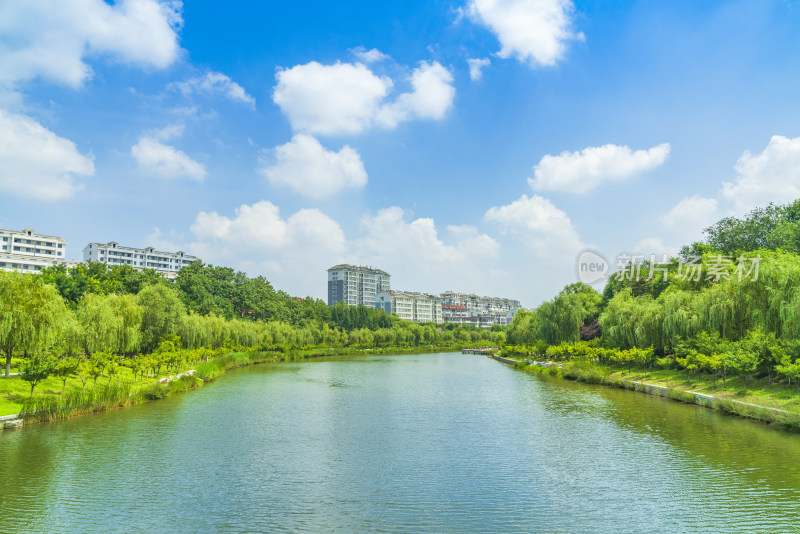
(328, 99)
(417, 249)
(431, 97)
(476, 66)
(291, 252)
(539, 222)
(534, 31)
(583, 170)
(473, 243)
(215, 83)
(307, 167)
(770, 176)
(369, 56)
(654, 248)
(165, 161)
(688, 218)
(37, 163)
(51, 39)
(346, 98)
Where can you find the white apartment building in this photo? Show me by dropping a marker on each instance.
(474, 302)
(484, 312)
(355, 284)
(28, 252)
(414, 307)
(139, 258)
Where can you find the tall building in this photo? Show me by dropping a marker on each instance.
(409, 306)
(355, 284)
(139, 258)
(29, 252)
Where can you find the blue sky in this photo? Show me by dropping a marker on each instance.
(283, 138)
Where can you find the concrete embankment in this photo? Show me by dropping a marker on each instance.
(10, 421)
(730, 406)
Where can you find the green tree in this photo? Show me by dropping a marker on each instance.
(37, 367)
(162, 314)
(64, 368)
(32, 314)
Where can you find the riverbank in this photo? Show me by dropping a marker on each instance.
(782, 409)
(80, 399)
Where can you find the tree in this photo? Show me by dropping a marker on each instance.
(161, 315)
(37, 367)
(32, 314)
(64, 367)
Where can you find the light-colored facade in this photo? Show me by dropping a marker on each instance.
(139, 258)
(356, 285)
(29, 252)
(414, 307)
(483, 312)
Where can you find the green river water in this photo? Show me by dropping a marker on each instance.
(411, 443)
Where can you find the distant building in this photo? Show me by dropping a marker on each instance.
(355, 284)
(28, 252)
(483, 312)
(409, 306)
(168, 263)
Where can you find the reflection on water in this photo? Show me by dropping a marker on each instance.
(443, 442)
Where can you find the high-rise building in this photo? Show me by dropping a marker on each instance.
(139, 258)
(356, 284)
(29, 252)
(409, 306)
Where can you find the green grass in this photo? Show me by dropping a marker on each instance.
(759, 392)
(764, 396)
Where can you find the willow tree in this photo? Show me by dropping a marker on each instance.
(162, 313)
(32, 314)
(128, 323)
(98, 323)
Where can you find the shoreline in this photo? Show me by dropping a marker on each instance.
(774, 417)
(156, 390)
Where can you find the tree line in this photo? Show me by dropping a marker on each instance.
(92, 321)
(723, 325)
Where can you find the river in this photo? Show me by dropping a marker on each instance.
(410, 443)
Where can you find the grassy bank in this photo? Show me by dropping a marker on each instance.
(775, 403)
(59, 400)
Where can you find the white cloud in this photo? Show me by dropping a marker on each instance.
(476, 66)
(51, 39)
(35, 162)
(472, 243)
(771, 176)
(291, 253)
(688, 218)
(539, 222)
(346, 98)
(215, 83)
(165, 161)
(418, 258)
(655, 246)
(581, 171)
(329, 99)
(431, 97)
(535, 31)
(307, 167)
(369, 56)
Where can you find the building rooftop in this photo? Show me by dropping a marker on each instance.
(26, 230)
(357, 268)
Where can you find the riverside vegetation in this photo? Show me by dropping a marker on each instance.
(735, 337)
(96, 337)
